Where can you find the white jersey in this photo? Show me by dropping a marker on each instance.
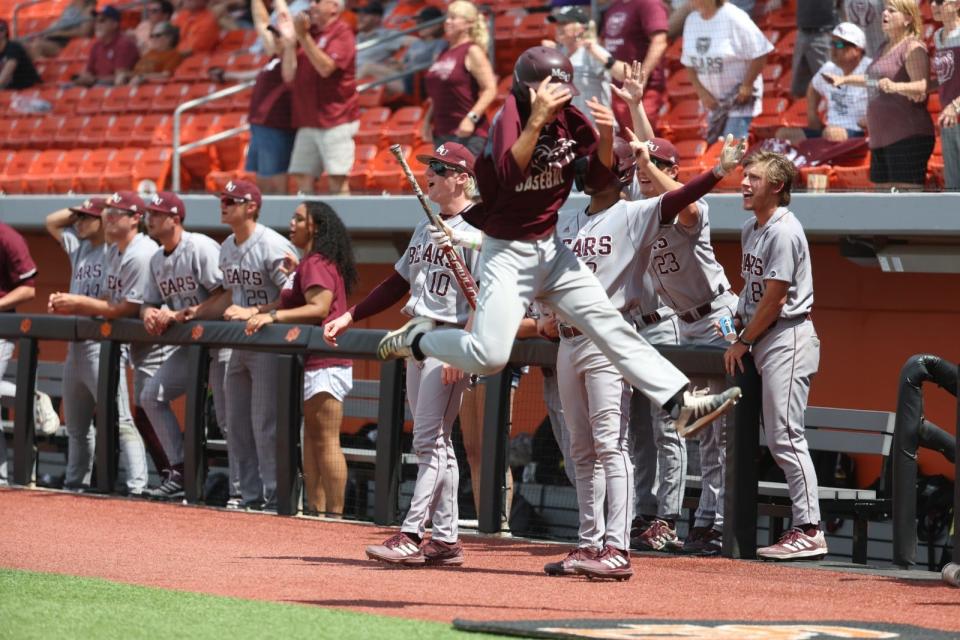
(188, 275)
(615, 244)
(683, 266)
(776, 251)
(252, 270)
(434, 292)
(127, 280)
(846, 104)
(88, 264)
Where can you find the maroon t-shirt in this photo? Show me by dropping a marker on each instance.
(454, 91)
(316, 271)
(522, 204)
(106, 58)
(628, 26)
(270, 100)
(17, 267)
(327, 102)
(944, 62)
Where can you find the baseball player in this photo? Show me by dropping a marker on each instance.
(17, 279)
(108, 282)
(774, 311)
(524, 176)
(252, 261)
(184, 272)
(434, 389)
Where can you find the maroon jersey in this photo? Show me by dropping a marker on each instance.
(270, 100)
(321, 102)
(944, 62)
(106, 58)
(316, 271)
(453, 91)
(522, 204)
(628, 26)
(17, 267)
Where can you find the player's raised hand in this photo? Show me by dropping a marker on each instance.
(547, 101)
(634, 83)
(333, 328)
(442, 237)
(640, 149)
(732, 154)
(602, 115)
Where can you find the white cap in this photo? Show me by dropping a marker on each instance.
(851, 33)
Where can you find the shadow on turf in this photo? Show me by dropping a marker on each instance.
(372, 564)
(402, 604)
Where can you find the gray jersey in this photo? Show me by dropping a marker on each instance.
(188, 275)
(683, 266)
(252, 270)
(127, 280)
(776, 251)
(434, 292)
(615, 244)
(88, 263)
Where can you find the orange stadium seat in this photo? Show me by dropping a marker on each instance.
(672, 55)
(21, 133)
(371, 125)
(679, 87)
(783, 49)
(169, 97)
(91, 102)
(140, 99)
(148, 125)
(770, 119)
(77, 50)
(64, 175)
(89, 175)
(66, 137)
(118, 174)
(66, 100)
(852, 178)
(359, 175)
(691, 150)
(41, 171)
(229, 153)
(11, 180)
(96, 131)
(685, 121)
(404, 126)
(771, 78)
(386, 174)
(153, 164)
(773, 35)
(6, 157)
(45, 135)
(196, 68)
(118, 100)
(6, 126)
(372, 97)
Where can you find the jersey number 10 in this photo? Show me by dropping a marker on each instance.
(439, 283)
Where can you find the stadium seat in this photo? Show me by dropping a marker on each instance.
(66, 137)
(371, 126)
(118, 174)
(672, 56)
(118, 100)
(153, 164)
(386, 176)
(372, 97)
(141, 99)
(169, 97)
(11, 180)
(67, 99)
(806, 172)
(770, 119)
(89, 175)
(771, 79)
(196, 68)
(230, 152)
(45, 135)
(63, 177)
(773, 35)
(691, 151)
(685, 121)
(21, 133)
(6, 126)
(96, 131)
(77, 50)
(679, 87)
(852, 178)
(783, 49)
(91, 102)
(142, 135)
(41, 171)
(404, 126)
(6, 156)
(359, 175)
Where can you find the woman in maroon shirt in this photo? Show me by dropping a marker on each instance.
(461, 84)
(318, 289)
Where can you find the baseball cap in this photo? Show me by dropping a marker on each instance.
(537, 63)
(125, 201)
(242, 190)
(110, 12)
(663, 150)
(851, 33)
(428, 13)
(167, 202)
(371, 8)
(451, 153)
(91, 207)
(568, 14)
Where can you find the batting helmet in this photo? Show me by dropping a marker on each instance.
(537, 63)
(624, 162)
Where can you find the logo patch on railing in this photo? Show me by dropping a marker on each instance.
(293, 334)
(25, 325)
(106, 329)
(197, 332)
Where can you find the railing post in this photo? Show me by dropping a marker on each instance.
(107, 415)
(956, 482)
(194, 432)
(24, 443)
(740, 482)
(175, 160)
(389, 426)
(290, 384)
(496, 416)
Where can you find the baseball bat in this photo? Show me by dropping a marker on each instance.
(464, 280)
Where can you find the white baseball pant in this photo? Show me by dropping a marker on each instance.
(6, 389)
(434, 406)
(558, 424)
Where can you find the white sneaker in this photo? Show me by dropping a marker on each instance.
(795, 545)
(701, 408)
(46, 421)
(398, 343)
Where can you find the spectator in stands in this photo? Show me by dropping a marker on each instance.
(637, 30)
(16, 67)
(162, 58)
(901, 130)
(420, 54)
(324, 88)
(76, 21)
(199, 30)
(945, 60)
(232, 14)
(315, 291)
(461, 84)
(370, 32)
(113, 55)
(846, 105)
(272, 11)
(157, 11)
(868, 15)
(724, 52)
(815, 21)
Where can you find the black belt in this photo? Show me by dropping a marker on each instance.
(568, 332)
(651, 318)
(695, 314)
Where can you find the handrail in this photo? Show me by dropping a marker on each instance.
(28, 3)
(190, 104)
(14, 18)
(393, 35)
(396, 76)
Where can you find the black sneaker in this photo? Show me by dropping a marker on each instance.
(171, 488)
(703, 542)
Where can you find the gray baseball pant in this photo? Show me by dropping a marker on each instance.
(6, 389)
(558, 424)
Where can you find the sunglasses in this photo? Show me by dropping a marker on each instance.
(157, 35)
(660, 164)
(86, 216)
(112, 212)
(840, 44)
(441, 168)
(231, 202)
(154, 10)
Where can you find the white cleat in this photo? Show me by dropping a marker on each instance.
(700, 409)
(398, 343)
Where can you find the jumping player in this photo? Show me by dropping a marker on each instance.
(434, 389)
(774, 312)
(524, 176)
(184, 272)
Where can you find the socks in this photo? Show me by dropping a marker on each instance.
(415, 348)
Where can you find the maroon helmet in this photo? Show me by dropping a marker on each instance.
(537, 63)
(624, 162)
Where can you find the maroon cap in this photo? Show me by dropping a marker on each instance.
(452, 153)
(169, 203)
(126, 201)
(663, 150)
(91, 207)
(242, 190)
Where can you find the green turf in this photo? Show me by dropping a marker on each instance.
(40, 605)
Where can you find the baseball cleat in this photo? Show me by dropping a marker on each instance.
(438, 553)
(704, 542)
(170, 489)
(398, 549)
(658, 536)
(611, 564)
(700, 409)
(399, 343)
(565, 567)
(795, 545)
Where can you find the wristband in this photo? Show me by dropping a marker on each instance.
(273, 314)
(609, 63)
(743, 340)
(474, 118)
(718, 171)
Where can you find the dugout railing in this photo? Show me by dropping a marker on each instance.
(290, 342)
